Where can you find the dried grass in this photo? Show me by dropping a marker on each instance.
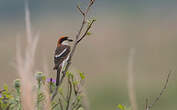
(131, 90)
(25, 63)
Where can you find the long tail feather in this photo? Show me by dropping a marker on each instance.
(58, 76)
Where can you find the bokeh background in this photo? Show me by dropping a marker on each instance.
(148, 26)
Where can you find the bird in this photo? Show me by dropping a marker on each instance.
(61, 54)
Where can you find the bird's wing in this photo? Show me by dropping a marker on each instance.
(60, 54)
(62, 51)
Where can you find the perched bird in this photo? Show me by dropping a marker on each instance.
(61, 53)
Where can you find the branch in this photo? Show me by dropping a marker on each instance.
(76, 40)
(88, 28)
(61, 105)
(148, 107)
(84, 13)
(89, 6)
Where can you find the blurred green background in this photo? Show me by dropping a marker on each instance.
(149, 26)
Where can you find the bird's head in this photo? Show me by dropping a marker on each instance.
(63, 40)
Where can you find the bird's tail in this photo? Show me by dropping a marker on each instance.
(55, 67)
(58, 76)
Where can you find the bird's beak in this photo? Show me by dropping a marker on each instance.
(70, 40)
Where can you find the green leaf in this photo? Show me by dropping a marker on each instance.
(89, 33)
(5, 87)
(75, 82)
(39, 76)
(127, 108)
(90, 21)
(82, 75)
(41, 97)
(43, 79)
(94, 19)
(60, 90)
(79, 97)
(121, 107)
(17, 83)
(68, 73)
(81, 108)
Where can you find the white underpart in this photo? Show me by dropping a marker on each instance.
(64, 63)
(56, 56)
(65, 42)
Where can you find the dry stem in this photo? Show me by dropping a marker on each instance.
(131, 90)
(148, 107)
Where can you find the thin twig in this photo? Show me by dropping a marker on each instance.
(161, 93)
(55, 106)
(146, 105)
(75, 101)
(78, 7)
(61, 105)
(69, 95)
(54, 93)
(74, 86)
(89, 6)
(90, 25)
(78, 106)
